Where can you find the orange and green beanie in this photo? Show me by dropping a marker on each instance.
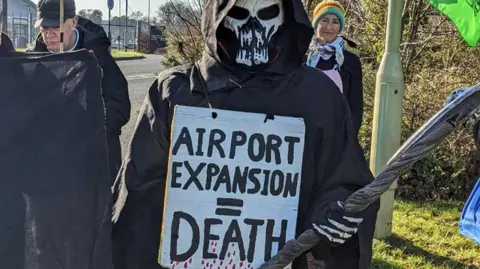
(329, 7)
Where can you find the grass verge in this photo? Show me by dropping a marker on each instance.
(425, 235)
(122, 54)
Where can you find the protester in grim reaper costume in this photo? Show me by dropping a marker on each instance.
(253, 63)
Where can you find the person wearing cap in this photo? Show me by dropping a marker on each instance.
(81, 33)
(327, 52)
(5, 43)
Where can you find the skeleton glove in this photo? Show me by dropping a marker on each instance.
(337, 226)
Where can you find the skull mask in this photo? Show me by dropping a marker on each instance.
(254, 22)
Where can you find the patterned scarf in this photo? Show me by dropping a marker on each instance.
(319, 50)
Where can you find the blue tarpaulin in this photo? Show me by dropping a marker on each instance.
(469, 224)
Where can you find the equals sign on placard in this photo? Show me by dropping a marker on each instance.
(224, 203)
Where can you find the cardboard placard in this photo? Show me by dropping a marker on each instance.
(233, 188)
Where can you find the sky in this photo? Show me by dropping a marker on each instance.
(135, 5)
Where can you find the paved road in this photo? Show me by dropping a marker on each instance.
(140, 74)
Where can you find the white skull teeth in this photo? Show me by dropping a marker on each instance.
(260, 48)
(245, 38)
(254, 30)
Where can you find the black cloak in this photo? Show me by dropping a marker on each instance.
(55, 199)
(333, 162)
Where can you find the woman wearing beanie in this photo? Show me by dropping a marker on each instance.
(327, 53)
(5, 43)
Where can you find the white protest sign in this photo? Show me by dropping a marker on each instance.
(233, 188)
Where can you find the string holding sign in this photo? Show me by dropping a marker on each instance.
(232, 190)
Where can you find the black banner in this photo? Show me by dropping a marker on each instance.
(54, 176)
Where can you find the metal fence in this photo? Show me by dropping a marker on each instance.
(21, 28)
(135, 36)
(121, 36)
(22, 31)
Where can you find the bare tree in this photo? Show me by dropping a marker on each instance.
(137, 15)
(182, 20)
(94, 15)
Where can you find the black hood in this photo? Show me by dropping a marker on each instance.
(293, 41)
(92, 37)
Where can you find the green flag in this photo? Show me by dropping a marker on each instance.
(464, 14)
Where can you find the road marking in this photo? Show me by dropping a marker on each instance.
(141, 76)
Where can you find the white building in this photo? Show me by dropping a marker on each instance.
(21, 19)
(21, 7)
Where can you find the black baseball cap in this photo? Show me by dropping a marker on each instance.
(48, 14)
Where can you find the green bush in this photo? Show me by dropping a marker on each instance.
(436, 61)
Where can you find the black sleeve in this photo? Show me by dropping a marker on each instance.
(139, 188)
(341, 169)
(355, 93)
(115, 93)
(6, 43)
(147, 154)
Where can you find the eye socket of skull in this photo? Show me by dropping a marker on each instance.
(238, 13)
(268, 13)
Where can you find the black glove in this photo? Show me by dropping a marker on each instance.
(337, 226)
